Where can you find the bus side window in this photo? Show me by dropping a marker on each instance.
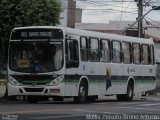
(105, 51)
(94, 50)
(72, 53)
(145, 54)
(152, 55)
(84, 49)
(136, 53)
(126, 50)
(116, 51)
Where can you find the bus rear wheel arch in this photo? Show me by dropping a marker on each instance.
(82, 92)
(130, 92)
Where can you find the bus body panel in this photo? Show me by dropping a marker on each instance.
(103, 78)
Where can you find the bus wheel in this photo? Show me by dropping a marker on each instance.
(129, 95)
(83, 93)
(130, 88)
(32, 99)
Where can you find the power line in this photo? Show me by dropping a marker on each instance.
(121, 11)
(153, 20)
(113, 1)
(105, 1)
(100, 3)
(152, 25)
(105, 9)
(128, 5)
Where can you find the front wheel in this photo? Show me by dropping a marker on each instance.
(83, 93)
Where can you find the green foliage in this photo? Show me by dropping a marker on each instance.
(17, 13)
(37, 12)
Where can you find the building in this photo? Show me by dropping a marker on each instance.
(68, 13)
(78, 15)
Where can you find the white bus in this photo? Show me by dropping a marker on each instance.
(59, 62)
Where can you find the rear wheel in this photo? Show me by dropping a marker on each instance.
(130, 88)
(129, 95)
(83, 93)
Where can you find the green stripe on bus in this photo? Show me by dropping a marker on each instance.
(112, 81)
(145, 81)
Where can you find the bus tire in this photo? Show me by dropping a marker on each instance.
(82, 94)
(130, 89)
(129, 95)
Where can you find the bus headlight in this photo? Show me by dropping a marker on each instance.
(57, 81)
(13, 81)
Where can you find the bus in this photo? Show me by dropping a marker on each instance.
(61, 62)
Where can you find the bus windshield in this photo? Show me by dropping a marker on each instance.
(35, 57)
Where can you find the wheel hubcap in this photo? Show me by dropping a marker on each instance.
(82, 91)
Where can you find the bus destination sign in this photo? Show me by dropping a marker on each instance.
(36, 34)
(24, 34)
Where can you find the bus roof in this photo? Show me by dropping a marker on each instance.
(108, 36)
(40, 27)
(88, 33)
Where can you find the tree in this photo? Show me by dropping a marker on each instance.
(38, 12)
(18, 13)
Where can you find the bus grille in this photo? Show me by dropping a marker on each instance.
(30, 79)
(33, 89)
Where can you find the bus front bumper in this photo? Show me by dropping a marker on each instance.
(35, 90)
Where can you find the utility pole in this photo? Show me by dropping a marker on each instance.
(140, 18)
(140, 22)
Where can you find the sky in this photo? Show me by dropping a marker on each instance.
(103, 11)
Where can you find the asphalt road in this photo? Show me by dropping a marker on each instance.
(147, 108)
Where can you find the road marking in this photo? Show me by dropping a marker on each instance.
(140, 108)
(151, 104)
(53, 117)
(99, 103)
(156, 99)
(132, 103)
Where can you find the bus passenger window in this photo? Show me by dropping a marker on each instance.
(84, 49)
(126, 49)
(116, 51)
(136, 53)
(72, 56)
(151, 54)
(94, 49)
(145, 54)
(105, 51)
